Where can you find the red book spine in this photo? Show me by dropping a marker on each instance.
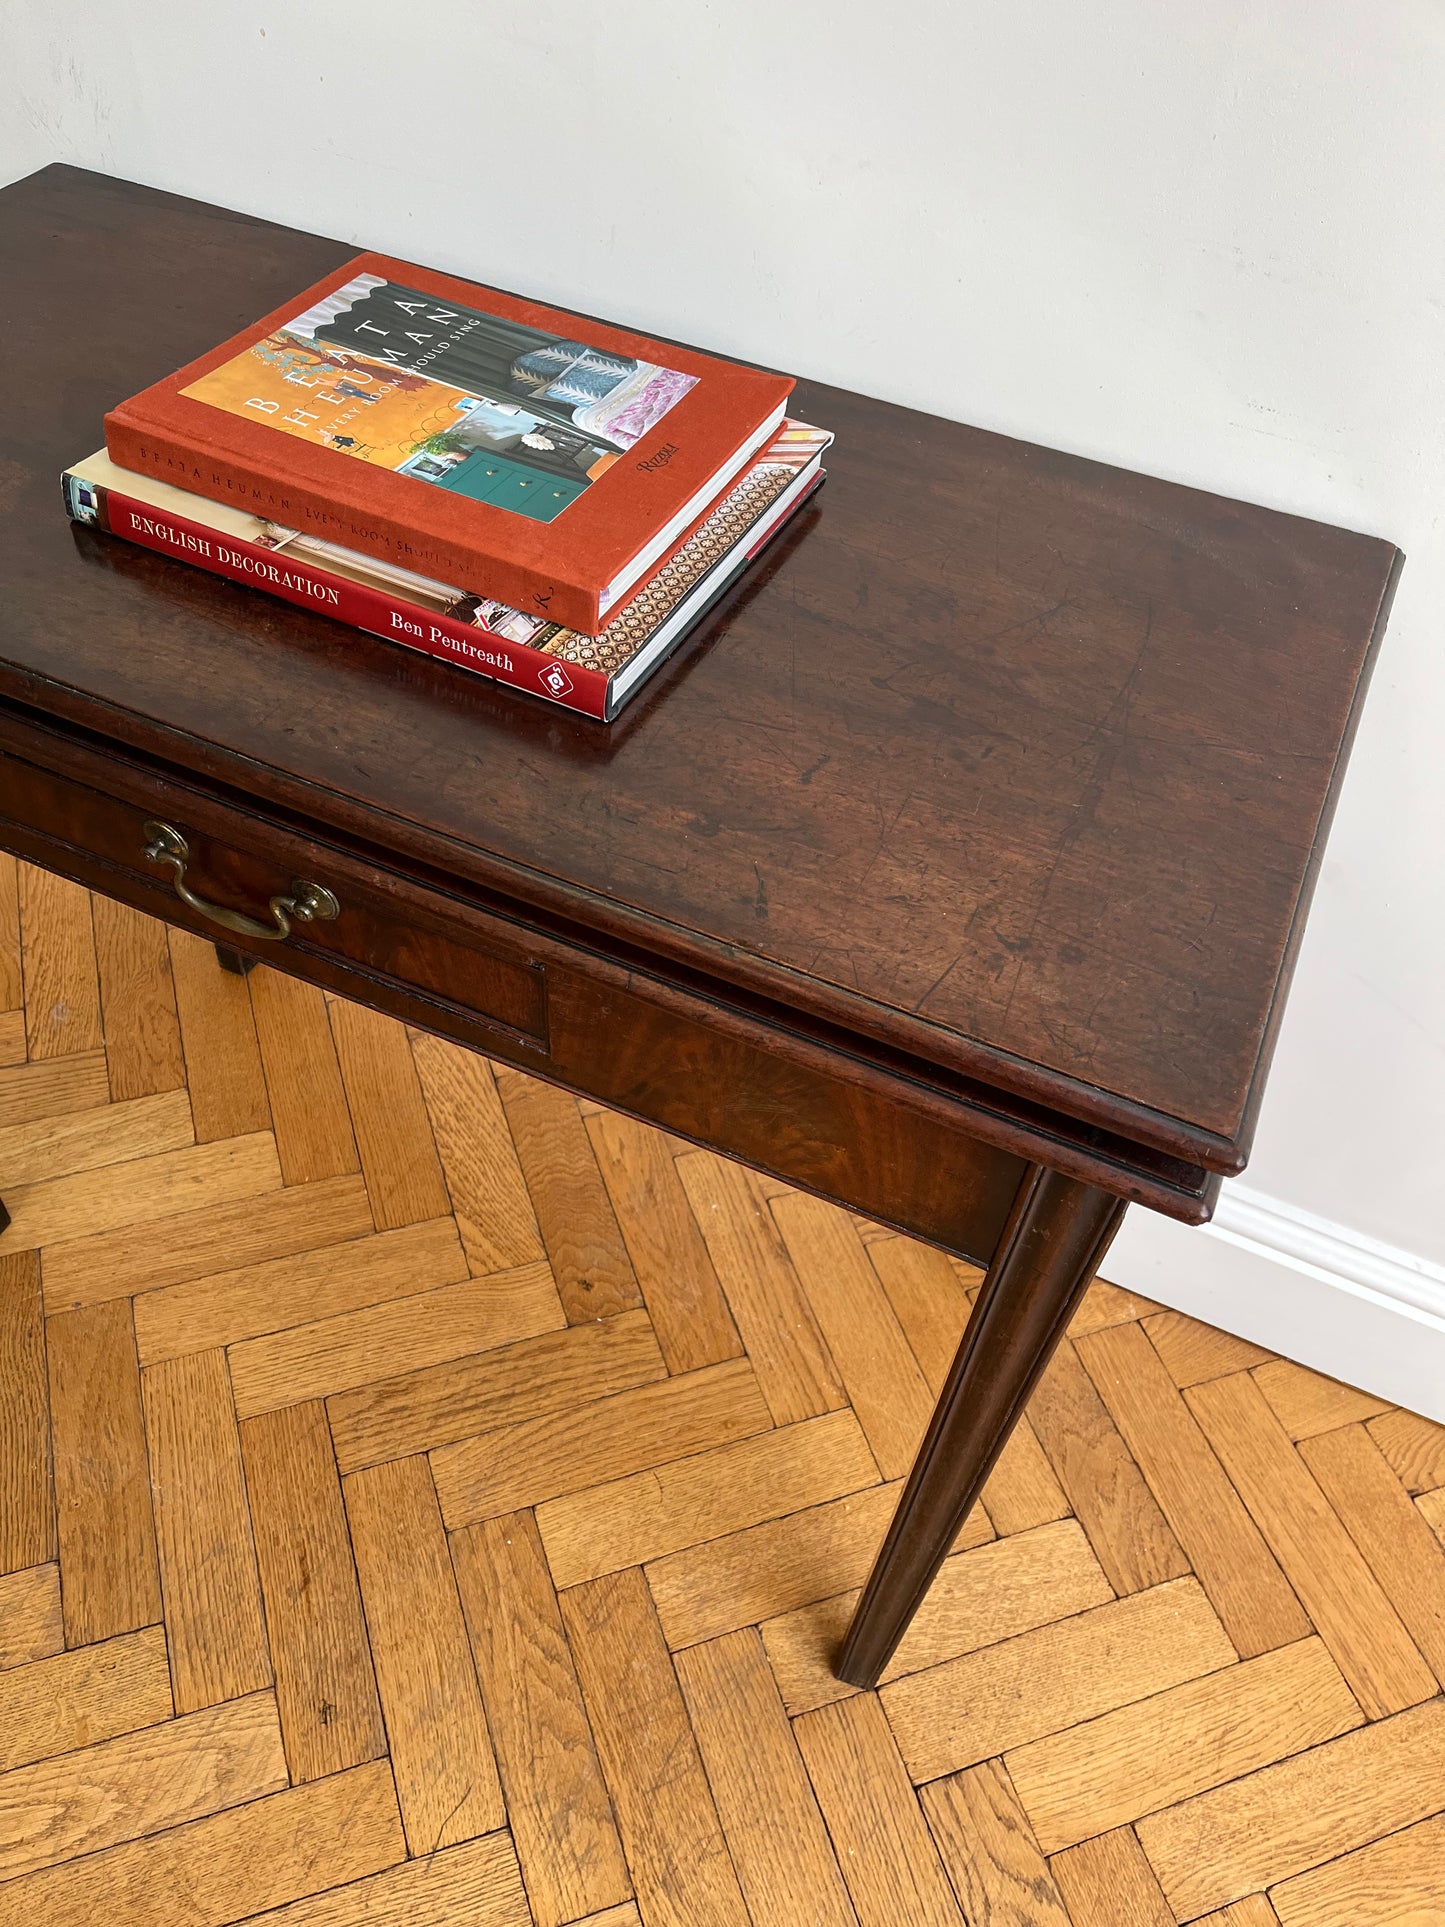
(352, 602)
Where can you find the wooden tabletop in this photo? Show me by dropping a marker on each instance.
(1008, 760)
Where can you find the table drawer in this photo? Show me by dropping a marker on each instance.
(748, 1083)
(396, 934)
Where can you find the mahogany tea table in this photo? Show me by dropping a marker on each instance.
(954, 870)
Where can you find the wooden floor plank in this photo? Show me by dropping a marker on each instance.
(218, 1036)
(984, 1839)
(1352, 1615)
(446, 1776)
(110, 1580)
(138, 1001)
(1307, 1402)
(556, 1799)
(258, 1224)
(1106, 1304)
(1398, 1546)
(1110, 1771)
(131, 1193)
(303, 1288)
(1431, 1507)
(574, 1213)
(1414, 1446)
(780, 1847)
(474, 1885)
(303, 1080)
(239, 1862)
(12, 982)
(1107, 1882)
(418, 1411)
(209, 1586)
(1396, 1882)
(1193, 1352)
(1105, 1487)
(676, 1853)
(984, 1703)
(928, 1298)
(880, 1375)
(489, 1195)
(538, 1459)
(393, 1132)
(79, 1699)
(677, 1504)
(89, 1139)
(59, 1147)
(12, 1037)
(679, 1286)
(980, 1597)
(27, 1501)
(1224, 1546)
(883, 1844)
(1245, 1837)
(1023, 1490)
(62, 996)
(53, 1087)
(30, 1622)
(1253, 1911)
(80, 1803)
(325, 1691)
(769, 1307)
(404, 1334)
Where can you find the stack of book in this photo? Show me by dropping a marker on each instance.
(532, 496)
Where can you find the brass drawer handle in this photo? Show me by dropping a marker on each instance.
(307, 903)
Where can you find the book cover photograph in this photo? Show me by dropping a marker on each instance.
(448, 395)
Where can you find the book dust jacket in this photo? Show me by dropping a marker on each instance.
(520, 451)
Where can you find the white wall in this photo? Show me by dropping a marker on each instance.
(1207, 242)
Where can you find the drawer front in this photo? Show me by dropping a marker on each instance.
(395, 934)
(725, 1078)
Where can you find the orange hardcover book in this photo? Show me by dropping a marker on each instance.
(517, 450)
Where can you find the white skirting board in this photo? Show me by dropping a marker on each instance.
(1314, 1291)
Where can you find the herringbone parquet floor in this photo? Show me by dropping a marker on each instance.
(428, 1502)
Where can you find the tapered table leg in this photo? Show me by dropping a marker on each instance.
(1054, 1241)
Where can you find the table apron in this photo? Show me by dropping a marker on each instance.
(738, 1081)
